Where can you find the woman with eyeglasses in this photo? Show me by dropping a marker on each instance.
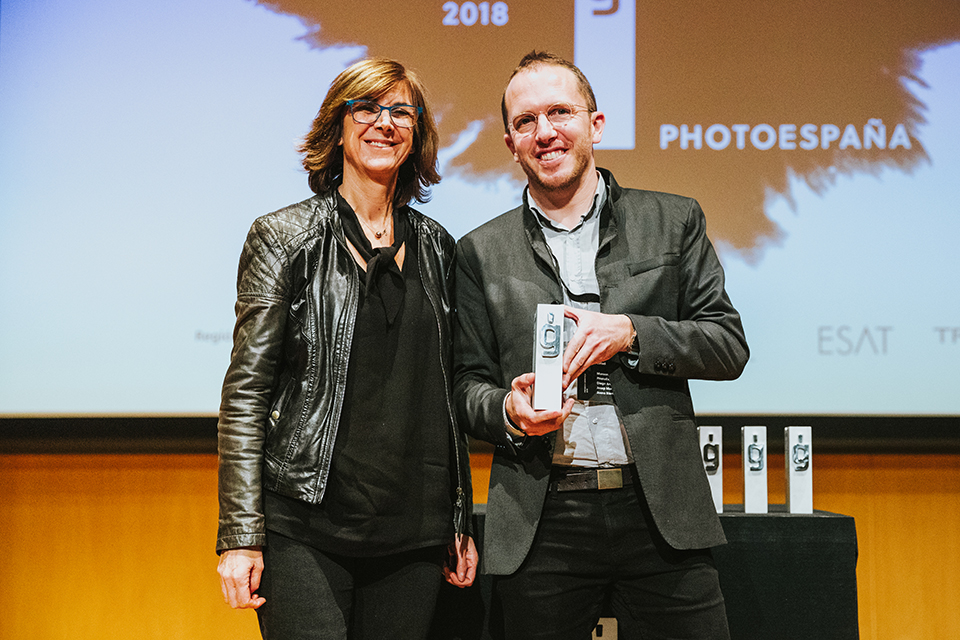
(344, 482)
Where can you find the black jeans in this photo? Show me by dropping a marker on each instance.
(311, 595)
(592, 545)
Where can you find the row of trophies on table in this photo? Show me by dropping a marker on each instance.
(798, 460)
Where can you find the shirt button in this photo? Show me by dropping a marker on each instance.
(595, 421)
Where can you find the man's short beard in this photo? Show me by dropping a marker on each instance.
(579, 169)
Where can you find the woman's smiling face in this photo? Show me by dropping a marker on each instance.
(377, 150)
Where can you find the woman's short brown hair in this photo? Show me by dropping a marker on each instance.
(371, 79)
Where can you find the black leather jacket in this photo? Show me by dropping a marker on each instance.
(297, 300)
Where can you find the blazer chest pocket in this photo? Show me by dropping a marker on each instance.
(664, 260)
(648, 287)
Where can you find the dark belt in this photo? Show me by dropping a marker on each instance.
(578, 479)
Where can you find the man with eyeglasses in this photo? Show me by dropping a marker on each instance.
(605, 498)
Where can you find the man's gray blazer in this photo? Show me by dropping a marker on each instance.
(656, 265)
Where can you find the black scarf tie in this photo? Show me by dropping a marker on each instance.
(383, 275)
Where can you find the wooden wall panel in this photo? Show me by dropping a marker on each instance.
(121, 546)
(113, 546)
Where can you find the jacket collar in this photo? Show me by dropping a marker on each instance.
(536, 238)
(609, 223)
(326, 207)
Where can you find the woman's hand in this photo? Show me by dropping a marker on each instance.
(462, 557)
(240, 571)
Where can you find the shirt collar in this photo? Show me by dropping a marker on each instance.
(599, 199)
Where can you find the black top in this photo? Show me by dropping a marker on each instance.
(389, 482)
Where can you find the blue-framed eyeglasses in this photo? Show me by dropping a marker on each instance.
(368, 112)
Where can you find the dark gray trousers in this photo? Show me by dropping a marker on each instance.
(597, 545)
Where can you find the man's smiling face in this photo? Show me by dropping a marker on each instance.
(555, 158)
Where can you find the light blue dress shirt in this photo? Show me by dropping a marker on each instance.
(593, 434)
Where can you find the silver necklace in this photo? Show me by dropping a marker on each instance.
(378, 234)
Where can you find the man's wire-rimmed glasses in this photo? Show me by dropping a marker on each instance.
(557, 114)
(368, 112)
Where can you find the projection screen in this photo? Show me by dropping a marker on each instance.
(140, 140)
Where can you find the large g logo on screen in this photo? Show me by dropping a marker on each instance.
(605, 31)
(614, 7)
